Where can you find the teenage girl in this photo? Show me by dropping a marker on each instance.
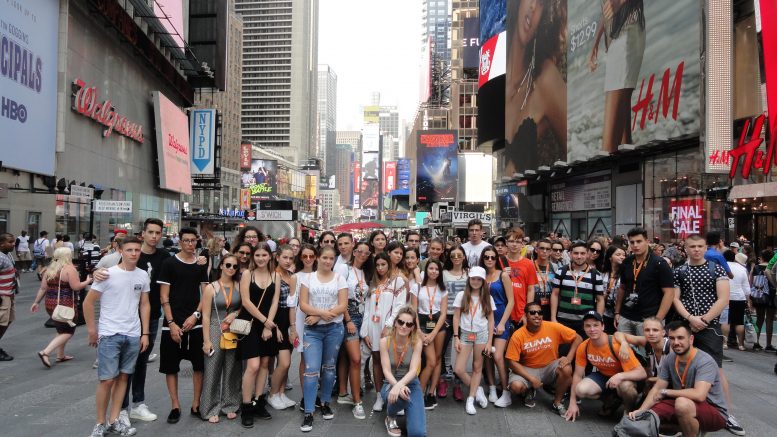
(284, 259)
(432, 304)
(455, 277)
(306, 264)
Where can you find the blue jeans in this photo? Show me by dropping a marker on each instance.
(116, 354)
(137, 382)
(321, 344)
(414, 408)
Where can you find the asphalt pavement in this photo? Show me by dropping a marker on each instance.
(35, 401)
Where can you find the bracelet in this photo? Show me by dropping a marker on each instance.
(144, 334)
(455, 335)
(166, 303)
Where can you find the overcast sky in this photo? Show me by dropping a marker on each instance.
(372, 45)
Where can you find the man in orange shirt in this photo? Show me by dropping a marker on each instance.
(532, 356)
(613, 376)
(523, 276)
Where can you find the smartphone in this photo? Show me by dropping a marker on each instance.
(296, 343)
(212, 351)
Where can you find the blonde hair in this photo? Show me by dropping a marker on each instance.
(62, 257)
(407, 309)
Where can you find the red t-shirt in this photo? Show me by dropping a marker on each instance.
(523, 276)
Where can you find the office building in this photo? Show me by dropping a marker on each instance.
(327, 118)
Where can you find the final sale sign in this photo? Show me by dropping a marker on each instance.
(687, 217)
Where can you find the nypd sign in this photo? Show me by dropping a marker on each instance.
(202, 123)
(463, 217)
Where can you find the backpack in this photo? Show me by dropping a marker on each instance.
(684, 270)
(37, 248)
(645, 425)
(594, 274)
(643, 360)
(759, 292)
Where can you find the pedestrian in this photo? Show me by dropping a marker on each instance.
(436, 250)
(324, 300)
(216, 252)
(432, 304)
(396, 252)
(475, 245)
(243, 253)
(409, 268)
(388, 293)
(284, 259)
(221, 303)
(762, 299)
(401, 390)
(344, 248)
(120, 335)
(181, 281)
(9, 286)
(378, 241)
(596, 253)
(498, 285)
(523, 276)
(576, 290)
(259, 293)
(646, 288)
(295, 244)
(614, 379)
(611, 279)
(22, 247)
(557, 254)
(249, 234)
(357, 273)
(454, 275)
(41, 253)
(546, 270)
(474, 315)
(327, 238)
(714, 253)
(734, 315)
(59, 286)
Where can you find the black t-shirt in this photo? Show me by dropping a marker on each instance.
(184, 280)
(654, 275)
(152, 264)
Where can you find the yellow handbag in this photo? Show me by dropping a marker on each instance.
(228, 341)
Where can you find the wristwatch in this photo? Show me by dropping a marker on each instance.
(663, 393)
(197, 315)
(170, 322)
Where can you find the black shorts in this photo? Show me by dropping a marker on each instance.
(424, 319)
(710, 340)
(190, 349)
(282, 320)
(736, 312)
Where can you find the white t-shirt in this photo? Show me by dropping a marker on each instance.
(354, 278)
(24, 243)
(473, 252)
(423, 299)
(740, 285)
(466, 321)
(324, 295)
(120, 300)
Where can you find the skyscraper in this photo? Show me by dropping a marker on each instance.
(327, 118)
(436, 30)
(343, 160)
(280, 63)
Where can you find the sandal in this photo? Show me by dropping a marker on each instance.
(742, 348)
(44, 358)
(231, 416)
(65, 358)
(213, 419)
(392, 428)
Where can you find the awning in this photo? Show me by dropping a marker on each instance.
(768, 189)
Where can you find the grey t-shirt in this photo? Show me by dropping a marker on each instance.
(703, 368)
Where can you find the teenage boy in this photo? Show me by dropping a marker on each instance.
(522, 275)
(122, 334)
(345, 248)
(546, 272)
(181, 279)
(475, 245)
(532, 356)
(577, 289)
(414, 240)
(22, 246)
(647, 286)
(613, 377)
(40, 253)
(688, 394)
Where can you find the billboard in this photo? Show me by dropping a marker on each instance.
(475, 177)
(369, 194)
(245, 156)
(470, 42)
(370, 165)
(389, 176)
(493, 17)
(172, 145)
(437, 172)
(508, 198)
(170, 14)
(535, 90)
(371, 137)
(687, 217)
(425, 78)
(403, 174)
(202, 125)
(28, 80)
(357, 176)
(634, 80)
(261, 179)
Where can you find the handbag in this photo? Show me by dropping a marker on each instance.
(227, 340)
(645, 425)
(243, 327)
(62, 313)
(751, 337)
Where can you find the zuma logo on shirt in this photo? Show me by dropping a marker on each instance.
(537, 344)
(598, 360)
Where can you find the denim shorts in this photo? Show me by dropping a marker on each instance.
(356, 318)
(481, 337)
(116, 354)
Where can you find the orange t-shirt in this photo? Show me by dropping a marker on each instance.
(601, 358)
(540, 348)
(523, 275)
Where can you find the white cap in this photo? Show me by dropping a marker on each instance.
(741, 258)
(477, 272)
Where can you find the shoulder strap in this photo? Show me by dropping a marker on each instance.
(612, 349)
(711, 268)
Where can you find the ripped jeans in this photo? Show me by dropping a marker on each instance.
(321, 344)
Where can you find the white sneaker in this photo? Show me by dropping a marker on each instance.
(152, 357)
(505, 400)
(124, 418)
(470, 408)
(288, 402)
(378, 405)
(492, 396)
(358, 411)
(276, 402)
(401, 413)
(141, 412)
(480, 396)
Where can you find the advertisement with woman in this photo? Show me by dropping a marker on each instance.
(633, 73)
(536, 89)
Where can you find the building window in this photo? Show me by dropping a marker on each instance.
(4, 221)
(33, 224)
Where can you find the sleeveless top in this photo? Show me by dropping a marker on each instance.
(255, 293)
(285, 289)
(66, 294)
(497, 290)
(401, 370)
(221, 302)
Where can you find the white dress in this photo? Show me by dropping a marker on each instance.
(381, 309)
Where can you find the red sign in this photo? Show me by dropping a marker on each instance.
(769, 44)
(389, 176)
(357, 175)
(245, 198)
(245, 156)
(687, 217)
(85, 103)
(668, 96)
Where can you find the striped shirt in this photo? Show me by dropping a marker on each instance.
(7, 275)
(577, 285)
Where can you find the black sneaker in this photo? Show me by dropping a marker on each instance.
(428, 402)
(733, 426)
(434, 399)
(307, 423)
(302, 405)
(326, 412)
(260, 408)
(319, 404)
(174, 416)
(4, 356)
(247, 415)
(770, 348)
(757, 347)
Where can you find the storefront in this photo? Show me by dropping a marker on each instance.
(581, 208)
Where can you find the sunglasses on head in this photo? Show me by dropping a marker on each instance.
(534, 312)
(230, 266)
(402, 323)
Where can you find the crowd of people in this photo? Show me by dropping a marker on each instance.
(637, 326)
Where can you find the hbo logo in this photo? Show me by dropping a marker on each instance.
(14, 111)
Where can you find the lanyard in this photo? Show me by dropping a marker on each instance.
(227, 299)
(687, 366)
(543, 277)
(580, 277)
(611, 284)
(637, 270)
(378, 292)
(398, 362)
(431, 298)
(359, 284)
(472, 313)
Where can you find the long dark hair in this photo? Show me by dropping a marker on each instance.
(481, 261)
(369, 266)
(374, 234)
(550, 37)
(236, 275)
(440, 283)
(299, 266)
(321, 238)
(607, 267)
(449, 262)
(396, 245)
(389, 273)
(270, 264)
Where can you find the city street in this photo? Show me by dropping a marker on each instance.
(35, 401)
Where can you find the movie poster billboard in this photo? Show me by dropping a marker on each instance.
(687, 217)
(403, 174)
(370, 165)
(369, 194)
(437, 172)
(633, 77)
(357, 176)
(261, 179)
(536, 89)
(389, 176)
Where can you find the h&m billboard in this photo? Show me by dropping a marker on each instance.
(437, 172)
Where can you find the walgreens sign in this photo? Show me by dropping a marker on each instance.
(87, 103)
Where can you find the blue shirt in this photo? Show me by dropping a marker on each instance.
(714, 256)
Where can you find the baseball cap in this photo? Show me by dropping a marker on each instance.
(593, 315)
(734, 245)
(477, 272)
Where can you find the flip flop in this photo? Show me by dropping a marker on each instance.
(65, 358)
(44, 358)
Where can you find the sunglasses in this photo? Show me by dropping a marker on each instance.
(328, 242)
(231, 266)
(595, 250)
(403, 323)
(308, 256)
(456, 256)
(534, 312)
(489, 257)
(558, 250)
(240, 252)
